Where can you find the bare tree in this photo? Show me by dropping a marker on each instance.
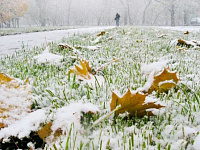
(170, 4)
(145, 9)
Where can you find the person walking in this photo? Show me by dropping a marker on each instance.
(117, 19)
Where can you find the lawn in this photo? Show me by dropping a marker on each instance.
(76, 112)
(20, 30)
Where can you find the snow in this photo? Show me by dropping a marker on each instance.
(177, 125)
(23, 127)
(94, 81)
(150, 100)
(166, 81)
(15, 102)
(155, 66)
(196, 144)
(12, 43)
(47, 57)
(93, 47)
(148, 84)
(183, 28)
(65, 116)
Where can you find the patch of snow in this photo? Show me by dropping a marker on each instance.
(156, 67)
(47, 57)
(12, 43)
(23, 127)
(148, 84)
(67, 115)
(150, 100)
(196, 144)
(166, 81)
(93, 47)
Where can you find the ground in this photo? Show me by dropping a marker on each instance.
(76, 113)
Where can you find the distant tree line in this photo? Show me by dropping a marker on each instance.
(98, 12)
(11, 11)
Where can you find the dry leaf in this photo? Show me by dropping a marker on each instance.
(134, 104)
(187, 44)
(8, 81)
(102, 33)
(186, 32)
(67, 46)
(83, 70)
(4, 78)
(45, 131)
(164, 81)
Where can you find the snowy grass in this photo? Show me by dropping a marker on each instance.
(175, 127)
(14, 31)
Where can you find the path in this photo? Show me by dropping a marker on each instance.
(12, 43)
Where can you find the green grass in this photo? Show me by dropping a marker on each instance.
(136, 45)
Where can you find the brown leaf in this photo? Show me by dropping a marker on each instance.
(102, 33)
(134, 104)
(45, 131)
(186, 32)
(161, 83)
(67, 46)
(2, 125)
(184, 43)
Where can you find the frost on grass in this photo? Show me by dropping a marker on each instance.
(174, 127)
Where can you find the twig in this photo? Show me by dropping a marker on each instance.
(105, 116)
(106, 64)
(15, 143)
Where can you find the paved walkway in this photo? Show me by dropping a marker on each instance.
(12, 43)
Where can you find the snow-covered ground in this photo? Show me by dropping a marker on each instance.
(184, 28)
(11, 43)
(60, 98)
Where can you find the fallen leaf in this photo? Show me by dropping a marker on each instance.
(163, 81)
(102, 33)
(83, 70)
(8, 81)
(186, 32)
(188, 44)
(67, 46)
(4, 78)
(134, 104)
(45, 131)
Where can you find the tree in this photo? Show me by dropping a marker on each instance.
(10, 13)
(144, 12)
(170, 4)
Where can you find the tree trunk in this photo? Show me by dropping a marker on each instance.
(129, 16)
(144, 12)
(172, 11)
(185, 18)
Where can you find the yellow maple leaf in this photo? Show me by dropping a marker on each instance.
(164, 81)
(4, 78)
(134, 104)
(83, 70)
(10, 82)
